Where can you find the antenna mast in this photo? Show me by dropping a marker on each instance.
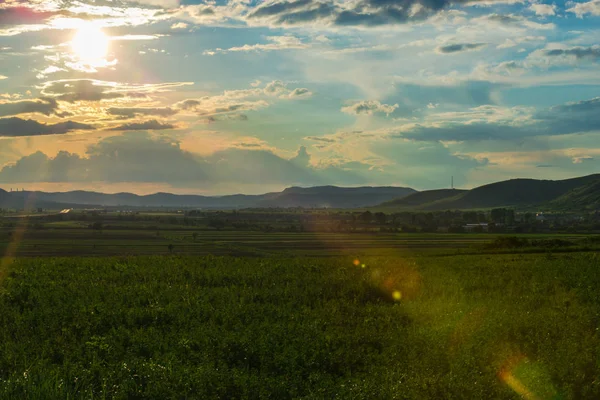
(452, 182)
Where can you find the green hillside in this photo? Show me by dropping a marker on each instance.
(423, 198)
(582, 192)
(583, 197)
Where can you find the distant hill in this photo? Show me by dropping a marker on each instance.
(418, 199)
(323, 196)
(569, 194)
(520, 193)
(583, 197)
(333, 197)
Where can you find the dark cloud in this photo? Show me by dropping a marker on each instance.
(226, 117)
(139, 157)
(300, 92)
(80, 90)
(583, 116)
(189, 104)
(369, 107)
(38, 167)
(302, 157)
(130, 112)
(504, 19)
(459, 47)
(592, 53)
(412, 97)
(249, 145)
(320, 139)
(16, 127)
(75, 90)
(358, 13)
(45, 106)
(143, 126)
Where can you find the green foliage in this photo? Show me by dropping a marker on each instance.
(211, 327)
(514, 242)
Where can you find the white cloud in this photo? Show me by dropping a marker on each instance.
(543, 10)
(277, 43)
(179, 25)
(581, 9)
(508, 43)
(369, 107)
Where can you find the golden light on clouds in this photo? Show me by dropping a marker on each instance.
(90, 45)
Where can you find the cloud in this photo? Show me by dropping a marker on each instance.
(302, 157)
(286, 42)
(38, 15)
(581, 160)
(20, 15)
(582, 9)
(16, 127)
(142, 126)
(130, 112)
(367, 13)
(459, 47)
(45, 106)
(510, 22)
(81, 90)
(76, 90)
(140, 157)
(278, 88)
(216, 105)
(369, 107)
(234, 101)
(179, 25)
(300, 92)
(508, 43)
(580, 53)
(320, 139)
(570, 118)
(543, 10)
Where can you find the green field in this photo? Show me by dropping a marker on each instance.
(414, 327)
(64, 239)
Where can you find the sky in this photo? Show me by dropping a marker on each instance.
(244, 96)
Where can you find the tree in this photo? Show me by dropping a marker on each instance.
(381, 218)
(216, 223)
(367, 216)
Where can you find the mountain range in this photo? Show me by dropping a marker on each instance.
(313, 197)
(581, 193)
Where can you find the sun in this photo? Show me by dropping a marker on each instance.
(90, 44)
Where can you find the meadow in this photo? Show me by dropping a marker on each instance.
(403, 326)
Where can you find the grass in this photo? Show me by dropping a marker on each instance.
(176, 327)
(71, 241)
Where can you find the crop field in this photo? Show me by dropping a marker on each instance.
(67, 240)
(132, 311)
(202, 327)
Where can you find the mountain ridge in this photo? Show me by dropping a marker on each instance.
(313, 197)
(520, 193)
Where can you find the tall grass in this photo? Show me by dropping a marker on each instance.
(207, 328)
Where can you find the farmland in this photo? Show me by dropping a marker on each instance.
(171, 311)
(379, 327)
